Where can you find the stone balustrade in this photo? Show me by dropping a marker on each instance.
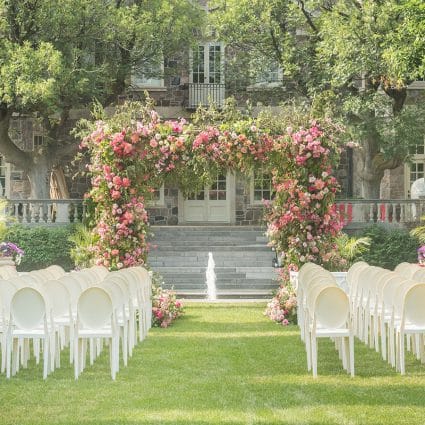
(404, 212)
(397, 211)
(46, 211)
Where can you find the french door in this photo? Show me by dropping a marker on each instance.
(212, 204)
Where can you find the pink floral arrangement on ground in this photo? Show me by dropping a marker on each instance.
(165, 307)
(283, 306)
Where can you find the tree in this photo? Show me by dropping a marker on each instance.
(56, 55)
(353, 59)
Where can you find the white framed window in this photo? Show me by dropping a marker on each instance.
(157, 198)
(269, 76)
(207, 63)
(149, 76)
(415, 169)
(261, 187)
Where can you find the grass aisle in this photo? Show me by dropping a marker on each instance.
(220, 364)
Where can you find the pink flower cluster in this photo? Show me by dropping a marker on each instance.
(283, 306)
(165, 307)
(233, 150)
(303, 219)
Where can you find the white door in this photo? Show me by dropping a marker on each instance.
(206, 80)
(213, 204)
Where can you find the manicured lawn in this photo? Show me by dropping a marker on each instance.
(220, 364)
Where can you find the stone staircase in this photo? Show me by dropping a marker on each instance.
(243, 262)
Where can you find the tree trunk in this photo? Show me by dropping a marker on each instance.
(371, 184)
(38, 175)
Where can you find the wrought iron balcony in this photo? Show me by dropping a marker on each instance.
(206, 94)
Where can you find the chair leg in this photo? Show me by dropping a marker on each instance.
(36, 349)
(15, 356)
(92, 350)
(401, 354)
(376, 332)
(391, 352)
(344, 352)
(3, 352)
(125, 344)
(351, 349)
(308, 350)
(9, 356)
(383, 340)
(416, 343)
(314, 354)
(114, 348)
(46, 357)
(76, 359)
(421, 348)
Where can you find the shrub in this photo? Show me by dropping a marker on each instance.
(43, 246)
(389, 246)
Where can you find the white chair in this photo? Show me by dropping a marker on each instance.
(144, 284)
(62, 319)
(121, 316)
(95, 319)
(411, 307)
(74, 287)
(387, 316)
(125, 282)
(56, 271)
(7, 272)
(100, 271)
(29, 320)
(7, 290)
(330, 311)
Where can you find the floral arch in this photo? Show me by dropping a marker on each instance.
(129, 158)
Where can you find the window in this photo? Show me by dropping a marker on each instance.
(149, 76)
(206, 80)
(217, 190)
(207, 64)
(3, 173)
(37, 140)
(157, 198)
(415, 169)
(261, 187)
(266, 76)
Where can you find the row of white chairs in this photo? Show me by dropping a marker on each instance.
(324, 311)
(78, 309)
(389, 309)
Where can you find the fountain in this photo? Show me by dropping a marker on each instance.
(211, 278)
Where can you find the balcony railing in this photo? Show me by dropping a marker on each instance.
(205, 94)
(46, 211)
(396, 211)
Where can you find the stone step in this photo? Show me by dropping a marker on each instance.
(228, 294)
(175, 249)
(243, 261)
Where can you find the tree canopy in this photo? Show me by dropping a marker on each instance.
(352, 59)
(57, 55)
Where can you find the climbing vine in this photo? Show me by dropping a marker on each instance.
(134, 152)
